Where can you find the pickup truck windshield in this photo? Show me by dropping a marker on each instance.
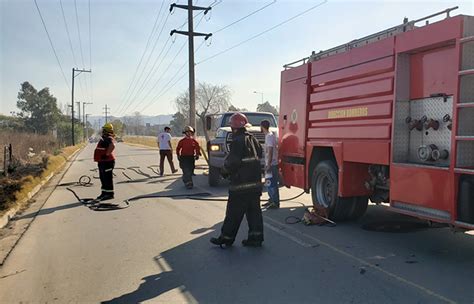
(254, 119)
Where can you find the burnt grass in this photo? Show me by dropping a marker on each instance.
(18, 174)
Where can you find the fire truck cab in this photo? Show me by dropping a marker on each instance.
(388, 117)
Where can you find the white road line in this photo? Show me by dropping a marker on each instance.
(370, 265)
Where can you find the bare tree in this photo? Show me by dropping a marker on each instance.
(210, 99)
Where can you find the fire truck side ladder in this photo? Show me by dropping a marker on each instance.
(406, 26)
(464, 133)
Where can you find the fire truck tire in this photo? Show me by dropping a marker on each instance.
(359, 206)
(214, 176)
(324, 189)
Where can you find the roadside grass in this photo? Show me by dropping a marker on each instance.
(14, 189)
(27, 146)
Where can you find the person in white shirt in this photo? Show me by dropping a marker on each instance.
(166, 150)
(271, 165)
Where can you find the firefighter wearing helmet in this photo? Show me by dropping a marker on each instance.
(104, 156)
(243, 167)
(188, 152)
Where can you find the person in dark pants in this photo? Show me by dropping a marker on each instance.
(243, 166)
(104, 156)
(188, 152)
(166, 150)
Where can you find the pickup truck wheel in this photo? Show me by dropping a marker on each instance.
(324, 189)
(214, 176)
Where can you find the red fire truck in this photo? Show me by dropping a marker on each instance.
(390, 118)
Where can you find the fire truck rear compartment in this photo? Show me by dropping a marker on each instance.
(398, 115)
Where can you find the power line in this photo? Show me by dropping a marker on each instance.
(170, 64)
(144, 51)
(262, 33)
(163, 91)
(133, 93)
(67, 32)
(90, 51)
(154, 68)
(162, 74)
(52, 45)
(79, 34)
(80, 44)
(70, 43)
(245, 17)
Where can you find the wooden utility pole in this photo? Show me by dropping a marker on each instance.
(190, 33)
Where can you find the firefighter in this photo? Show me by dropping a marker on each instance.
(188, 151)
(243, 167)
(104, 156)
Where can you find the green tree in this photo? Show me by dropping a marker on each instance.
(233, 108)
(267, 107)
(177, 124)
(118, 127)
(38, 108)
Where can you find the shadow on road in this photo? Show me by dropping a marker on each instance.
(46, 211)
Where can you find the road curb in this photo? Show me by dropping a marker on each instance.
(5, 219)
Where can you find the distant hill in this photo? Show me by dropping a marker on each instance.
(152, 120)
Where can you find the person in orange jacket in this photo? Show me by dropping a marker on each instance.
(104, 156)
(188, 152)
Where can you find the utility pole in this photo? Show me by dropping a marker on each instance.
(85, 123)
(261, 94)
(106, 112)
(74, 70)
(84, 115)
(190, 33)
(79, 112)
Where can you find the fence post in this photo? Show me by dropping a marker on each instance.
(5, 154)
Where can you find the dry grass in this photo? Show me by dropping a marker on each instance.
(150, 141)
(14, 190)
(23, 142)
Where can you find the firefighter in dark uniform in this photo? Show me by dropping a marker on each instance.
(104, 156)
(243, 166)
(188, 151)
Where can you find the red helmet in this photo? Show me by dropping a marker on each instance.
(238, 120)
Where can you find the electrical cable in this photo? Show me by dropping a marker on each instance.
(153, 71)
(52, 45)
(90, 54)
(262, 33)
(133, 93)
(169, 66)
(143, 55)
(166, 87)
(244, 17)
(80, 44)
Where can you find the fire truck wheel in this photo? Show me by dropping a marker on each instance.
(324, 189)
(359, 206)
(214, 176)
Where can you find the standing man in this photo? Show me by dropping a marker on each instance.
(104, 156)
(243, 166)
(271, 165)
(188, 152)
(166, 150)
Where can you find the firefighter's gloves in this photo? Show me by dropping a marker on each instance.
(196, 157)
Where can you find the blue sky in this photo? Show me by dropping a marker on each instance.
(120, 29)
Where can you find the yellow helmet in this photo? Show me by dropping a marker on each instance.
(108, 128)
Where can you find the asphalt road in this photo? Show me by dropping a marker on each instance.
(158, 251)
